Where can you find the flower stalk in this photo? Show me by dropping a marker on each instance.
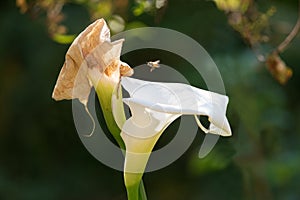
(136, 158)
(105, 88)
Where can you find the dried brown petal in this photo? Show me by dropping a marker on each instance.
(125, 69)
(89, 56)
(86, 60)
(93, 35)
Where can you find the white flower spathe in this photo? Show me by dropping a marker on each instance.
(166, 101)
(155, 105)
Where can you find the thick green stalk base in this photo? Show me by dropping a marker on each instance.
(134, 186)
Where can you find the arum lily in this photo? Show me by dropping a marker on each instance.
(93, 61)
(154, 106)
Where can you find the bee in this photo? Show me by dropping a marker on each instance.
(153, 65)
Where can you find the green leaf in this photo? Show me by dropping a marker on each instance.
(63, 39)
(219, 158)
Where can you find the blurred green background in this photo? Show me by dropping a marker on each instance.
(42, 157)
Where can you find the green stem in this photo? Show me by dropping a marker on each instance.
(133, 192)
(105, 91)
(137, 155)
(135, 186)
(136, 192)
(142, 191)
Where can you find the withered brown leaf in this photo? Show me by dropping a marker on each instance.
(277, 67)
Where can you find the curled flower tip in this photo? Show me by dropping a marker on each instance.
(200, 125)
(93, 121)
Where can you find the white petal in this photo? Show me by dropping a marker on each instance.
(144, 122)
(177, 98)
(140, 133)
